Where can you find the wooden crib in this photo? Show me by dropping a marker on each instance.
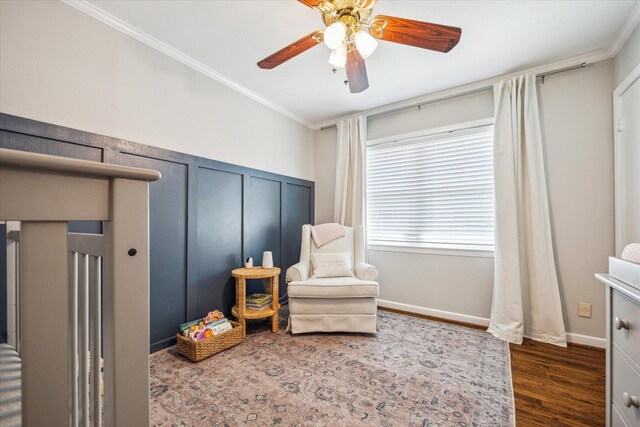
(80, 294)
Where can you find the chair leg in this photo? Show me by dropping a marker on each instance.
(274, 323)
(275, 303)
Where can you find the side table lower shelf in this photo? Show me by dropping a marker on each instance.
(257, 314)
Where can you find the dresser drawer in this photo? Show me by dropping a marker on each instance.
(625, 379)
(628, 311)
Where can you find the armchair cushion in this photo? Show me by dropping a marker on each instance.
(335, 287)
(331, 264)
(366, 271)
(346, 306)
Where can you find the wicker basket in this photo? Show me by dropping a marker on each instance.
(199, 350)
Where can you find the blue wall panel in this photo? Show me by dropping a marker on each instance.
(298, 211)
(219, 238)
(263, 224)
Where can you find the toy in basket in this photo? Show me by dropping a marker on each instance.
(205, 337)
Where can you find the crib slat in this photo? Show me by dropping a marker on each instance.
(96, 351)
(74, 338)
(83, 327)
(13, 277)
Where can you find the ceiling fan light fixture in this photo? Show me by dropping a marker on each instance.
(334, 35)
(352, 33)
(338, 57)
(365, 43)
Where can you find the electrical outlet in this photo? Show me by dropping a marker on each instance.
(584, 309)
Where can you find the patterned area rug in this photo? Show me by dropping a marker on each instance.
(413, 372)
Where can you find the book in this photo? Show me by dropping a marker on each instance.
(216, 328)
(221, 328)
(259, 299)
(185, 327)
(259, 307)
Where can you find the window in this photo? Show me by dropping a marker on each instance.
(432, 191)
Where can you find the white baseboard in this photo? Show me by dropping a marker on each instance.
(481, 321)
(474, 320)
(586, 340)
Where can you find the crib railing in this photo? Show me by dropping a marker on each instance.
(80, 295)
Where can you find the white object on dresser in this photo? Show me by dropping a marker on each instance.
(623, 342)
(631, 252)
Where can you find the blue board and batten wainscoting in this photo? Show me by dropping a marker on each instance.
(206, 216)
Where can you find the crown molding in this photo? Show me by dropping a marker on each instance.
(588, 57)
(626, 30)
(136, 33)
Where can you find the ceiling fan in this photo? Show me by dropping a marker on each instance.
(351, 35)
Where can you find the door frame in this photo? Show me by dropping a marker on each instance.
(632, 78)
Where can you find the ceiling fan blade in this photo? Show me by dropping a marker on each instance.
(440, 38)
(294, 49)
(356, 72)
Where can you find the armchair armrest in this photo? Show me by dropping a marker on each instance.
(366, 271)
(298, 272)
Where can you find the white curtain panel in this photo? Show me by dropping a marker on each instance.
(526, 298)
(349, 205)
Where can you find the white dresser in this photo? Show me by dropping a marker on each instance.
(623, 343)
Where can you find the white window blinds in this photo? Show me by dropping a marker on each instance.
(433, 191)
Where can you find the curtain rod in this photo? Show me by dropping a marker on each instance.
(468, 92)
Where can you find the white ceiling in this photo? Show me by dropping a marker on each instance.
(498, 37)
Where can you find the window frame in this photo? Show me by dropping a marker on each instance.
(465, 250)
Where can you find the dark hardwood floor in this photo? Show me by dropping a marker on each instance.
(556, 386)
(553, 386)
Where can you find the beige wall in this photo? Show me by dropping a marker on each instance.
(629, 56)
(61, 66)
(457, 110)
(576, 115)
(325, 161)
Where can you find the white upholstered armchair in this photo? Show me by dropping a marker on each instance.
(333, 304)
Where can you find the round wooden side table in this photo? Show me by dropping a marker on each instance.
(240, 310)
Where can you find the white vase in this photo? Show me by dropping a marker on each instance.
(267, 259)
